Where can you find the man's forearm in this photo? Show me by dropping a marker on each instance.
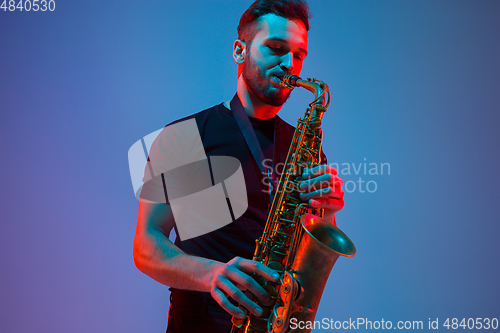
(156, 256)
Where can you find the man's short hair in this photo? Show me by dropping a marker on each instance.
(289, 9)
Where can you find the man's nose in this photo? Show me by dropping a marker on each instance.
(287, 62)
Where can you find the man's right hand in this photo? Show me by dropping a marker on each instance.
(234, 278)
(156, 256)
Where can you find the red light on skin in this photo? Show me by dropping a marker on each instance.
(311, 219)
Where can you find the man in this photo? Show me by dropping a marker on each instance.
(208, 274)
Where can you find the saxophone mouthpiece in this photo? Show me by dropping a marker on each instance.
(289, 81)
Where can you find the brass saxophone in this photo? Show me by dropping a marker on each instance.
(297, 241)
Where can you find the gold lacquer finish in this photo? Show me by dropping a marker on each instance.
(296, 240)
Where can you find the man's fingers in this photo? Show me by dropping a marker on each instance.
(326, 180)
(327, 192)
(220, 298)
(329, 203)
(234, 278)
(246, 282)
(236, 294)
(318, 170)
(251, 266)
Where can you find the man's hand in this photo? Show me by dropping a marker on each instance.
(322, 188)
(234, 278)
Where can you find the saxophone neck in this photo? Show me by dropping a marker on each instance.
(319, 88)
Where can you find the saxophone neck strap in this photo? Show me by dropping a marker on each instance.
(251, 139)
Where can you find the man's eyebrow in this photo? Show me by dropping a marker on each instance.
(281, 40)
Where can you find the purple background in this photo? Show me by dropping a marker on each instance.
(415, 84)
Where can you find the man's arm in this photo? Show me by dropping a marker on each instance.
(156, 256)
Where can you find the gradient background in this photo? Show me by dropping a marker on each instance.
(415, 84)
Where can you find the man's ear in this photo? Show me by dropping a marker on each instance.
(239, 50)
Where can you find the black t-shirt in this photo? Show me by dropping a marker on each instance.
(264, 131)
(221, 136)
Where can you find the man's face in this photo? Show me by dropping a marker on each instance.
(278, 48)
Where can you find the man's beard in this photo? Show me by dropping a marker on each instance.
(260, 86)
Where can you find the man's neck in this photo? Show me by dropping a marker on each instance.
(253, 106)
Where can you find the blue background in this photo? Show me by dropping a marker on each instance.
(415, 84)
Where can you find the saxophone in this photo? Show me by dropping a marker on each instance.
(297, 241)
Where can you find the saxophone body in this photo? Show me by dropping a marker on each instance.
(297, 241)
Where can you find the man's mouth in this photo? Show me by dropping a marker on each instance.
(277, 78)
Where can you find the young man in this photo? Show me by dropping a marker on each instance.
(205, 272)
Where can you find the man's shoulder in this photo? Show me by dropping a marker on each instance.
(216, 111)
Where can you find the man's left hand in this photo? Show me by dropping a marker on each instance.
(322, 188)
